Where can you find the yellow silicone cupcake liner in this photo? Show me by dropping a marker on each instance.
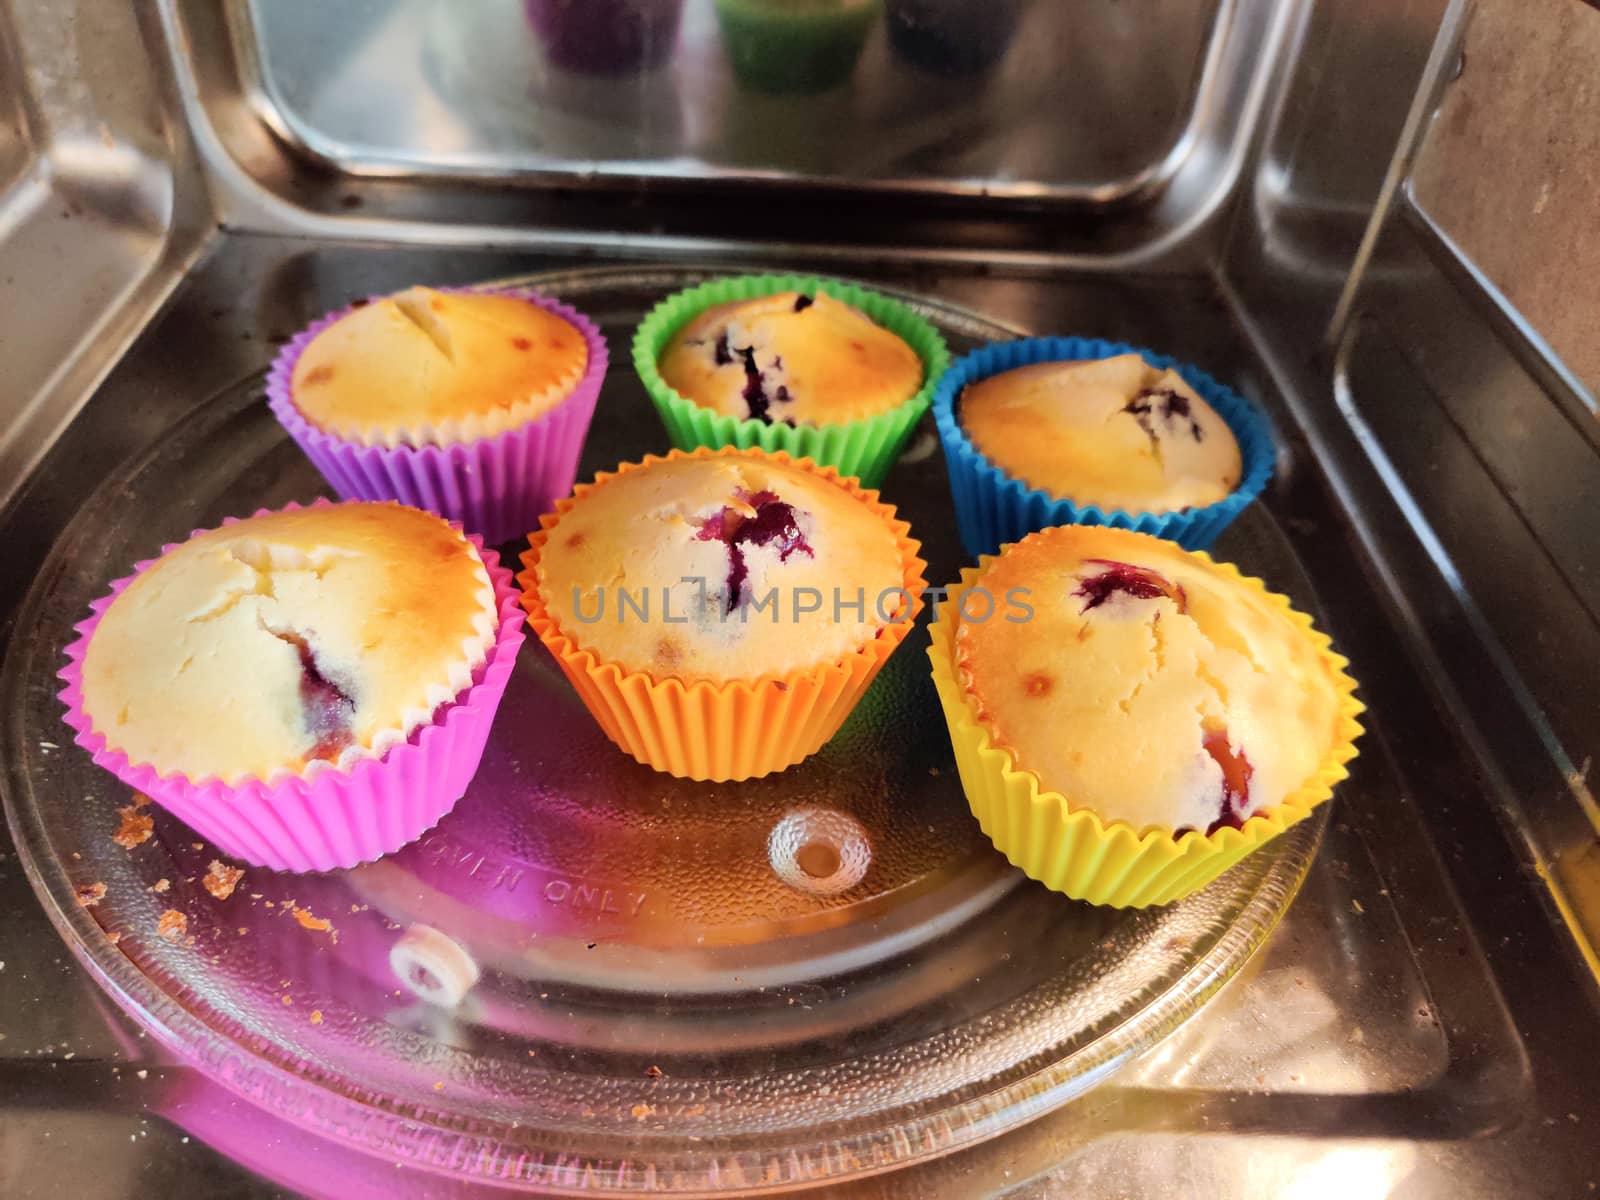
(737, 729)
(1072, 850)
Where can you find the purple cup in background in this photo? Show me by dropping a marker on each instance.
(606, 37)
(953, 37)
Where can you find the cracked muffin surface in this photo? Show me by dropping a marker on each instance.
(721, 568)
(313, 636)
(802, 358)
(1115, 432)
(1147, 685)
(424, 366)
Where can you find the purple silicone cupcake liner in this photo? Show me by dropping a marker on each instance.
(497, 487)
(336, 818)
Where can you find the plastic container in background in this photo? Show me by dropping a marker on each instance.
(953, 37)
(795, 45)
(606, 37)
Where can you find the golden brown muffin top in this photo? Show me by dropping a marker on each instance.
(800, 358)
(1148, 685)
(745, 566)
(1115, 432)
(318, 635)
(427, 367)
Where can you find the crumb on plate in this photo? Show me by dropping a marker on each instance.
(309, 920)
(135, 829)
(221, 879)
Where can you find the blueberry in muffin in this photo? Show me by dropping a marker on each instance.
(289, 642)
(796, 358)
(1116, 433)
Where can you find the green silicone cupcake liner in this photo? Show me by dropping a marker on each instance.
(866, 448)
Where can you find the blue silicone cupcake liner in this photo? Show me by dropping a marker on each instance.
(993, 508)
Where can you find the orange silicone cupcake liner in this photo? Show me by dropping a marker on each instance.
(722, 730)
(1071, 848)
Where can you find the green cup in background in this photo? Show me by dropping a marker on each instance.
(795, 45)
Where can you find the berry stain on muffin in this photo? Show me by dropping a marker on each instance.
(728, 549)
(1118, 433)
(326, 708)
(756, 397)
(768, 522)
(1119, 577)
(793, 358)
(1167, 405)
(755, 388)
(1147, 686)
(1236, 772)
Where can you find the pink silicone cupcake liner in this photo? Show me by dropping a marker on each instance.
(497, 487)
(336, 818)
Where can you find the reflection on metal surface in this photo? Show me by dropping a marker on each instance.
(1464, 451)
(1436, 438)
(96, 219)
(1161, 218)
(968, 93)
(1530, 232)
(1565, 388)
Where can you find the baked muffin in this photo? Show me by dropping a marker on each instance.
(1075, 431)
(815, 368)
(425, 366)
(792, 357)
(1098, 680)
(473, 404)
(1192, 703)
(1117, 433)
(289, 642)
(734, 546)
(721, 612)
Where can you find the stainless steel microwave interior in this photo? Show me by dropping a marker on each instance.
(1376, 218)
